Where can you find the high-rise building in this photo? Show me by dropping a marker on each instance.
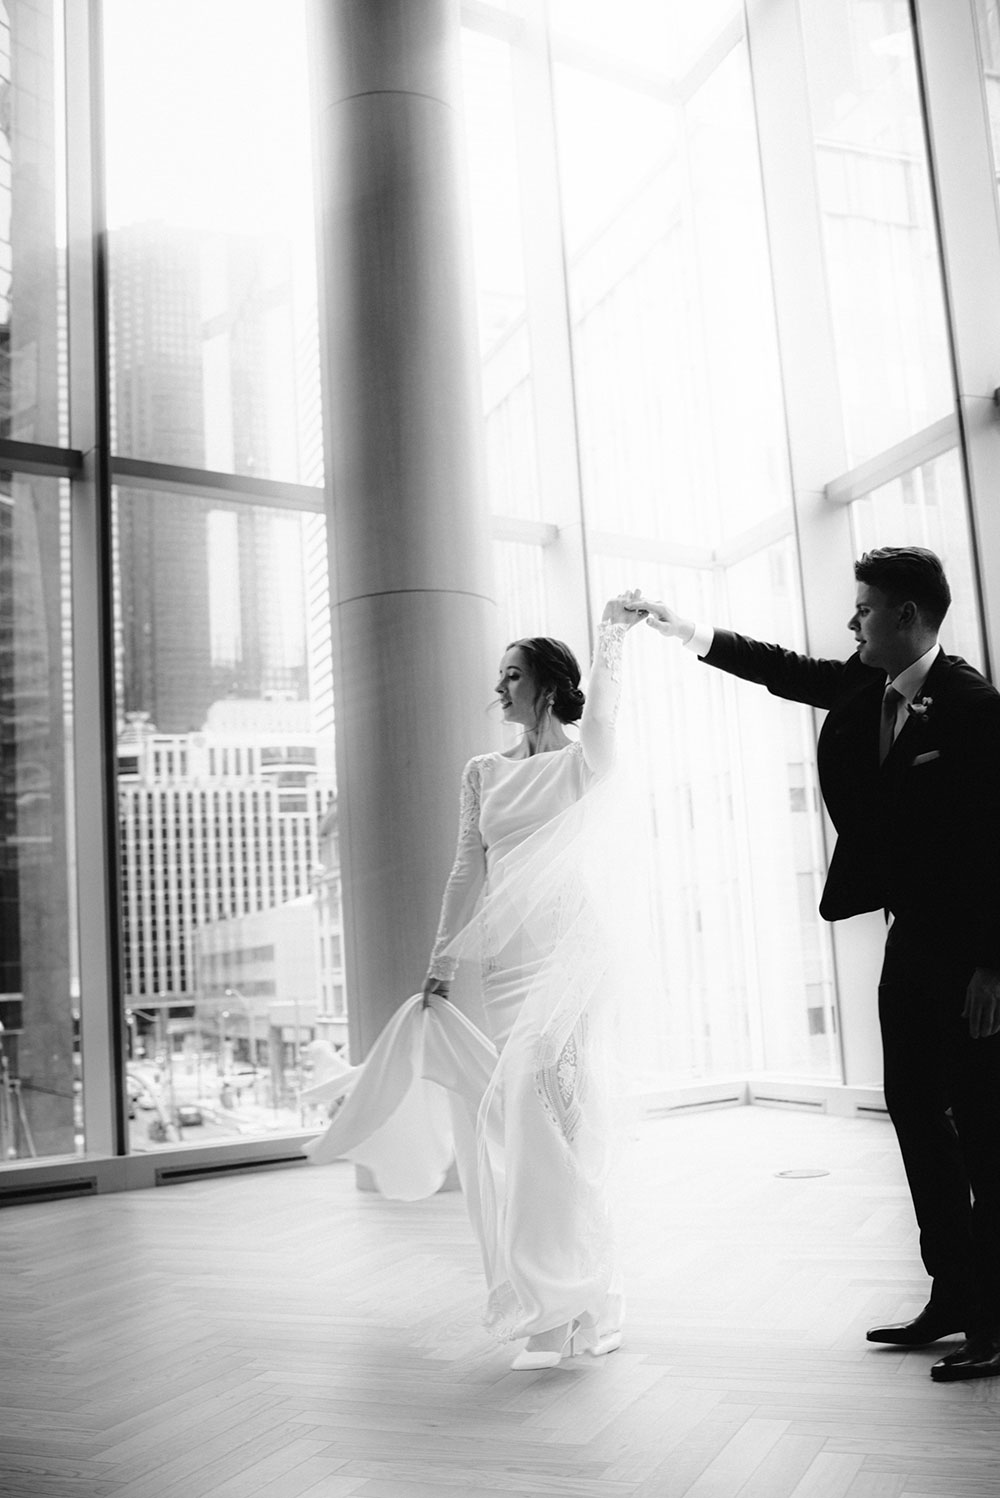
(213, 826)
(210, 595)
(222, 617)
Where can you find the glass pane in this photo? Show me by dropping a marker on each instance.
(988, 18)
(741, 405)
(230, 875)
(519, 569)
(738, 851)
(771, 753)
(508, 375)
(32, 223)
(885, 293)
(667, 322)
(496, 206)
(212, 281)
(40, 1075)
(681, 450)
(927, 508)
(617, 159)
(658, 38)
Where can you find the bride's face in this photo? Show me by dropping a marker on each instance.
(516, 689)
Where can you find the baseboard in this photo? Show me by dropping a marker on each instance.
(767, 1092)
(27, 1181)
(817, 1097)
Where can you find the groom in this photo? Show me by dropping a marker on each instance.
(909, 767)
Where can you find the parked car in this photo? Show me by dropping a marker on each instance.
(189, 1114)
(139, 1095)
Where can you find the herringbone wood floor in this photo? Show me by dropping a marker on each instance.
(280, 1335)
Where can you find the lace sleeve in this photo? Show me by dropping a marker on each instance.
(597, 726)
(467, 875)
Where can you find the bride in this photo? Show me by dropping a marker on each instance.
(526, 1109)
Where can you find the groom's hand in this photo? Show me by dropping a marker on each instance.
(982, 1003)
(626, 608)
(664, 619)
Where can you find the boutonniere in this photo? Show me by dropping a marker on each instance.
(920, 708)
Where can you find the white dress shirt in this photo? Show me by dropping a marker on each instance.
(701, 641)
(910, 683)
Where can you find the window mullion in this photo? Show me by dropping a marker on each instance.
(101, 1012)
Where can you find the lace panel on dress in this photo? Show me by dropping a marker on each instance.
(559, 1084)
(610, 642)
(469, 804)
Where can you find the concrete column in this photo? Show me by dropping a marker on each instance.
(416, 640)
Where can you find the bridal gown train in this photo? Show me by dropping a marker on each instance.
(526, 1108)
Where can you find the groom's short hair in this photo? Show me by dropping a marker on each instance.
(907, 574)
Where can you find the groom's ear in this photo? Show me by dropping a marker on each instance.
(908, 614)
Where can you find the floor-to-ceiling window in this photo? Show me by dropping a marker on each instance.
(231, 968)
(40, 1072)
(632, 396)
(886, 296)
(637, 406)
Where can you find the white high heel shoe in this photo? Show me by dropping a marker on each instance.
(603, 1345)
(531, 1357)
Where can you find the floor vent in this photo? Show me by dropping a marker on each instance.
(172, 1175)
(701, 1104)
(790, 1102)
(708, 1102)
(47, 1191)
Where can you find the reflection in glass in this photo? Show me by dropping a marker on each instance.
(228, 835)
(32, 213)
(886, 297)
(39, 1060)
(212, 283)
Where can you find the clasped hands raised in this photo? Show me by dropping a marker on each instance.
(659, 616)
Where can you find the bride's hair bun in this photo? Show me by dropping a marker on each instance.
(568, 704)
(556, 674)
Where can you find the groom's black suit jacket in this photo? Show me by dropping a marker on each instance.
(920, 834)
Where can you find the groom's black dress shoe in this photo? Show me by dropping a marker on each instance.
(977, 1358)
(927, 1327)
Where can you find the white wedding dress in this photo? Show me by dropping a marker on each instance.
(527, 1109)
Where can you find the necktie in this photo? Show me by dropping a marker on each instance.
(887, 730)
